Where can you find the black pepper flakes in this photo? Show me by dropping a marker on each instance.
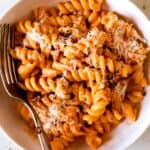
(86, 55)
(65, 34)
(80, 107)
(71, 83)
(86, 124)
(87, 23)
(144, 93)
(52, 48)
(83, 84)
(112, 84)
(72, 96)
(58, 76)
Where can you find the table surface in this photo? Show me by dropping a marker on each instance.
(143, 143)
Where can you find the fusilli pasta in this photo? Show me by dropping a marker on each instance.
(82, 68)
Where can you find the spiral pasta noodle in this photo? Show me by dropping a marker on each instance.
(83, 94)
(111, 65)
(82, 5)
(100, 101)
(85, 74)
(25, 26)
(28, 56)
(47, 85)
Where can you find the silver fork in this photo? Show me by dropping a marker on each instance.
(9, 79)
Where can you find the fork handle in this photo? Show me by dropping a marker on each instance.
(44, 142)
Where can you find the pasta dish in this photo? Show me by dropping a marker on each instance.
(81, 66)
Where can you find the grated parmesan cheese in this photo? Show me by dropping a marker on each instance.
(74, 64)
(54, 111)
(92, 38)
(121, 88)
(35, 36)
(38, 37)
(55, 116)
(133, 45)
(92, 33)
(60, 92)
(65, 73)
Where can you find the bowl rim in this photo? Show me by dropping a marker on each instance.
(10, 5)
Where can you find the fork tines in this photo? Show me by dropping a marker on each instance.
(7, 41)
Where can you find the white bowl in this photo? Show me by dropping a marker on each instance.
(125, 134)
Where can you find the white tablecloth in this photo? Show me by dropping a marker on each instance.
(143, 143)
